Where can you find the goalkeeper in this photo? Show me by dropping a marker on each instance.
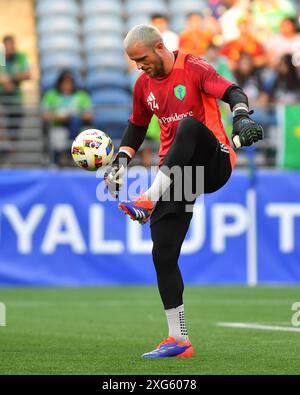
(182, 91)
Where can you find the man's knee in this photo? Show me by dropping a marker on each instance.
(190, 123)
(190, 127)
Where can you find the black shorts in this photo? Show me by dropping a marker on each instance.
(216, 173)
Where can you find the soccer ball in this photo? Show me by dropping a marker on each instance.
(92, 149)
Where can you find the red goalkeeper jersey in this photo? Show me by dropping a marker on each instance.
(190, 89)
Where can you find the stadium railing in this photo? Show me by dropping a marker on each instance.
(22, 141)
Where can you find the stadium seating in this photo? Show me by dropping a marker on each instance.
(111, 96)
(103, 24)
(103, 33)
(112, 119)
(108, 60)
(69, 60)
(103, 7)
(178, 7)
(55, 7)
(102, 42)
(54, 24)
(106, 79)
(49, 79)
(87, 36)
(136, 20)
(59, 42)
(112, 110)
(146, 7)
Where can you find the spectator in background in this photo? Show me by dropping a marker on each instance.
(170, 38)
(213, 28)
(249, 79)
(286, 87)
(229, 20)
(66, 110)
(195, 39)
(286, 42)
(219, 62)
(268, 15)
(15, 70)
(245, 43)
(217, 7)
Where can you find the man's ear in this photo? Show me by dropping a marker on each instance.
(159, 45)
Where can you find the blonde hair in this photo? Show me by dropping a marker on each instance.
(147, 34)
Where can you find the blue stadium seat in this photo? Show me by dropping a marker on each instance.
(108, 60)
(136, 20)
(101, 24)
(103, 42)
(178, 7)
(149, 7)
(59, 42)
(64, 60)
(112, 96)
(57, 7)
(101, 79)
(112, 120)
(48, 79)
(55, 24)
(113, 114)
(103, 7)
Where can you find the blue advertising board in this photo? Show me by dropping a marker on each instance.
(54, 231)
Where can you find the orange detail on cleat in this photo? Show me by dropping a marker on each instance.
(169, 339)
(143, 201)
(187, 353)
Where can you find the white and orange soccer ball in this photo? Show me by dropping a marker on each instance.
(92, 149)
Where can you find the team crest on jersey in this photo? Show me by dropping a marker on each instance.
(180, 91)
(152, 103)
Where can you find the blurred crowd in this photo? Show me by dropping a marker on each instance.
(14, 69)
(255, 44)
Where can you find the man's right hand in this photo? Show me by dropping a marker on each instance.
(113, 178)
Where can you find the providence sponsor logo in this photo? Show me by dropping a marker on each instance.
(175, 117)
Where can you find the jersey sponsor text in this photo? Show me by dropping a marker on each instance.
(175, 117)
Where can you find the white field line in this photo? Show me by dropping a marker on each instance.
(249, 325)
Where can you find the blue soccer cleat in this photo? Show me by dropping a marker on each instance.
(139, 209)
(170, 347)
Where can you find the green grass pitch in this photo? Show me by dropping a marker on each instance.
(105, 330)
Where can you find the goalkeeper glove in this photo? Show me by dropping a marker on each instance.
(249, 132)
(114, 173)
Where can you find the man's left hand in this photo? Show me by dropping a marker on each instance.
(249, 132)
